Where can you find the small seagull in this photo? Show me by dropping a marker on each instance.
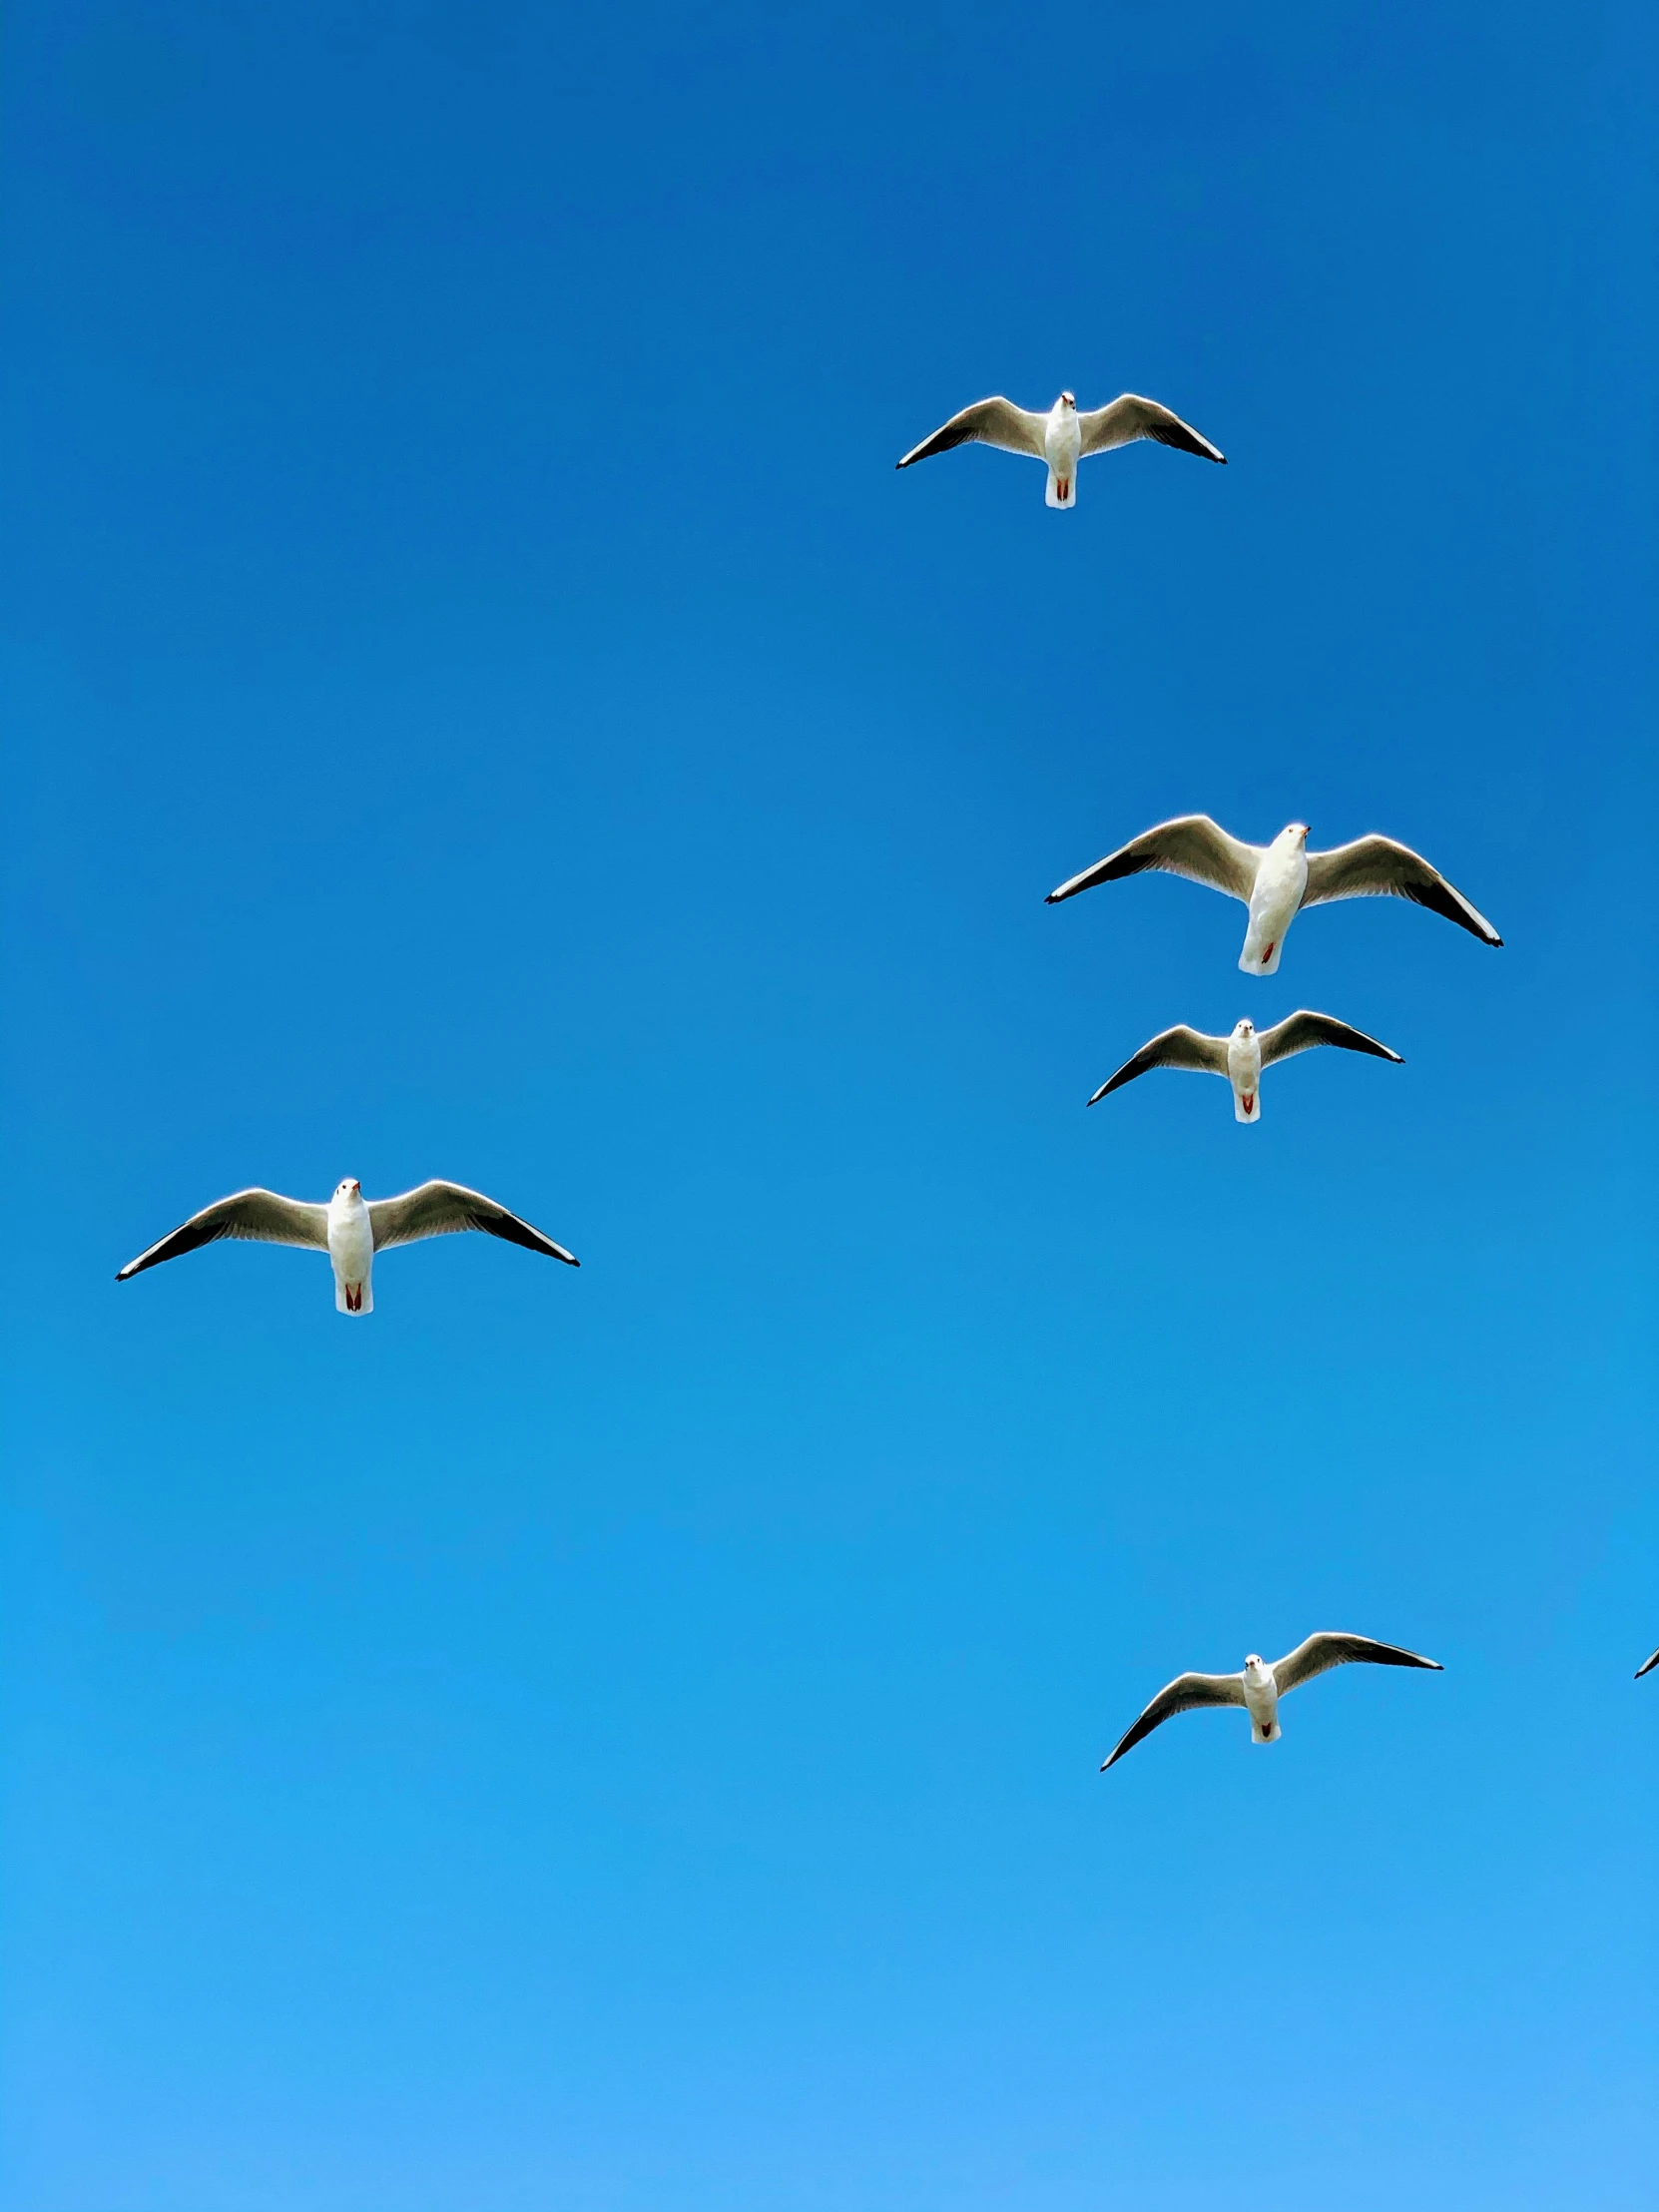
(1647, 1666)
(1276, 881)
(1260, 1687)
(1063, 437)
(1242, 1056)
(351, 1229)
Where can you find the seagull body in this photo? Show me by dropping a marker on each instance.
(1275, 881)
(1647, 1666)
(1260, 1686)
(1063, 437)
(1242, 1056)
(351, 1229)
(352, 1249)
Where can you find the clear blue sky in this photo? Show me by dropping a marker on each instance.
(479, 702)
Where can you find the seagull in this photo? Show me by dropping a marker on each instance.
(1260, 1687)
(1276, 881)
(1647, 1666)
(1063, 437)
(351, 1229)
(1242, 1056)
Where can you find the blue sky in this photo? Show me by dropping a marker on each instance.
(480, 702)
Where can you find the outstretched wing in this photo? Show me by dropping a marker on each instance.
(441, 1209)
(261, 1217)
(1191, 845)
(1179, 1047)
(1180, 1696)
(1300, 1031)
(1647, 1666)
(1328, 1648)
(1378, 867)
(1132, 417)
(987, 423)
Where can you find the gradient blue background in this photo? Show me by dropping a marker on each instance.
(479, 702)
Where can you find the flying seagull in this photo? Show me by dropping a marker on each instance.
(351, 1229)
(1242, 1056)
(1063, 437)
(1276, 881)
(1260, 1687)
(1647, 1666)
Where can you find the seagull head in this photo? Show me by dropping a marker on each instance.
(1067, 399)
(1253, 1660)
(349, 1187)
(1246, 1028)
(1299, 832)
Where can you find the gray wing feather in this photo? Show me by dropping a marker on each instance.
(1180, 1696)
(1131, 417)
(1191, 845)
(260, 1217)
(1379, 868)
(1300, 1031)
(1179, 1047)
(1647, 1666)
(441, 1209)
(1331, 1648)
(987, 423)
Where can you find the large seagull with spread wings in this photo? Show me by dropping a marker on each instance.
(1276, 881)
(1260, 1687)
(351, 1229)
(1063, 437)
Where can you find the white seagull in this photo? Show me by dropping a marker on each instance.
(1242, 1056)
(1260, 1687)
(1276, 881)
(1647, 1666)
(351, 1229)
(1063, 437)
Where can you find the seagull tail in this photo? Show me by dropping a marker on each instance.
(1251, 962)
(363, 1301)
(1062, 490)
(1259, 1735)
(1255, 1110)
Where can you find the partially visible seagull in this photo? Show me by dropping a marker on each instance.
(1260, 1687)
(1063, 437)
(351, 1229)
(1276, 881)
(1242, 1056)
(1647, 1666)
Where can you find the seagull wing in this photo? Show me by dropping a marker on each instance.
(1180, 1696)
(441, 1209)
(1378, 867)
(1132, 417)
(1191, 845)
(1647, 1666)
(1328, 1648)
(1179, 1047)
(1300, 1031)
(261, 1217)
(987, 423)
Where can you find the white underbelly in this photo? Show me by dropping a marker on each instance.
(352, 1251)
(1063, 447)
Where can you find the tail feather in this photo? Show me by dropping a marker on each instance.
(1054, 494)
(363, 1301)
(1271, 1736)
